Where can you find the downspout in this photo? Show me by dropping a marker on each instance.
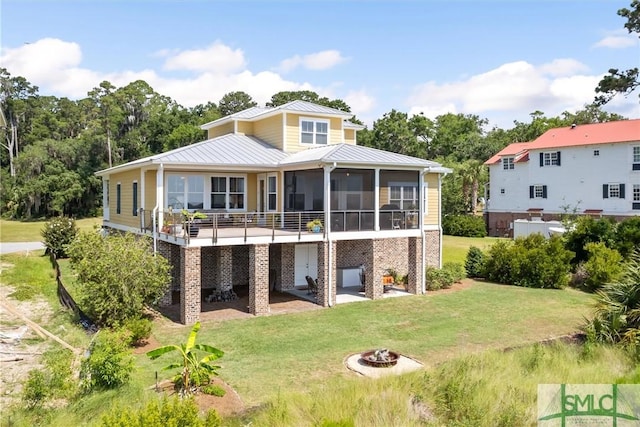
(423, 280)
(327, 221)
(440, 214)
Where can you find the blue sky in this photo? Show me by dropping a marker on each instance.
(500, 60)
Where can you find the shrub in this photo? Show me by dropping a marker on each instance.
(603, 266)
(213, 390)
(588, 230)
(168, 412)
(627, 236)
(445, 277)
(58, 233)
(138, 330)
(464, 225)
(117, 276)
(474, 263)
(109, 364)
(532, 261)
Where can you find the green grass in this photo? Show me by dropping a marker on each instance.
(454, 248)
(29, 231)
(267, 354)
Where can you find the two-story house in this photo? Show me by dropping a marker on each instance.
(589, 169)
(261, 176)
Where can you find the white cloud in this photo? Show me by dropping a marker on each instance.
(360, 101)
(514, 89)
(217, 58)
(618, 39)
(314, 61)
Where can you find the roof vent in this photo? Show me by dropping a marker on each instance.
(573, 126)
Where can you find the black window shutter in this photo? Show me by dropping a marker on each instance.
(622, 191)
(531, 191)
(605, 191)
(544, 191)
(135, 199)
(541, 159)
(558, 158)
(118, 199)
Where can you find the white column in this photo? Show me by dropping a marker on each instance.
(376, 200)
(160, 194)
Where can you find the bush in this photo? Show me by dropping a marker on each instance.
(464, 225)
(588, 230)
(474, 263)
(603, 266)
(58, 233)
(117, 276)
(138, 331)
(109, 364)
(627, 236)
(443, 278)
(532, 261)
(213, 390)
(168, 412)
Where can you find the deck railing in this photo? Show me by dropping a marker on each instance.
(216, 225)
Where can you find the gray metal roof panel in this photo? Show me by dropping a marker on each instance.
(309, 107)
(230, 149)
(355, 154)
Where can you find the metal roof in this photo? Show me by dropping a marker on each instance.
(355, 154)
(309, 107)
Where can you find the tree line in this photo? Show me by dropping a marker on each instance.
(52, 147)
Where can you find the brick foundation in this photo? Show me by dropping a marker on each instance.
(416, 265)
(432, 250)
(225, 269)
(190, 301)
(287, 265)
(259, 279)
(326, 287)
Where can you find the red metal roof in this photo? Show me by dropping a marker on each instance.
(573, 136)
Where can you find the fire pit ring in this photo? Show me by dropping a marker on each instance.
(380, 358)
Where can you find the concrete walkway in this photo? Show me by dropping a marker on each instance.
(10, 247)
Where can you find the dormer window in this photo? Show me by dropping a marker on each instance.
(313, 131)
(507, 163)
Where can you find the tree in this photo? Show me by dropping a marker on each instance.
(472, 173)
(396, 132)
(117, 276)
(457, 135)
(107, 111)
(283, 97)
(234, 102)
(618, 81)
(195, 371)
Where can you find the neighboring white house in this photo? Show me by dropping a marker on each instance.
(589, 169)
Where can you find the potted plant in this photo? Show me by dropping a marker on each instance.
(190, 220)
(314, 226)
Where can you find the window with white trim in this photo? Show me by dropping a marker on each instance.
(614, 191)
(552, 159)
(228, 192)
(195, 192)
(507, 163)
(314, 131)
(538, 191)
(272, 193)
(596, 153)
(636, 158)
(405, 195)
(636, 197)
(185, 192)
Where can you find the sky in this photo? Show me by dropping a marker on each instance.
(500, 60)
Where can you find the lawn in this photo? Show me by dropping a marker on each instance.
(29, 231)
(287, 352)
(454, 248)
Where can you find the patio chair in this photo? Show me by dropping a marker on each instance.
(312, 285)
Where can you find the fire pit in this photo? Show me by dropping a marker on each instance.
(380, 358)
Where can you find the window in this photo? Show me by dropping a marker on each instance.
(502, 191)
(636, 196)
(636, 158)
(405, 195)
(596, 153)
(537, 191)
(550, 159)
(613, 191)
(271, 193)
(175, 192)
(185, 192)
(195, 192)
(227, 192)
(314, 131)
(135, 198)
(507, 163)
(118, 201)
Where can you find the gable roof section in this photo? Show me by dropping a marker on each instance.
(358, 155)
(574, 136)
(297, 106)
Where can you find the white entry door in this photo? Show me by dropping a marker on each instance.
(306, 263)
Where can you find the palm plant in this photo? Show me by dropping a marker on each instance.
(194, 370)
(617, 313)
